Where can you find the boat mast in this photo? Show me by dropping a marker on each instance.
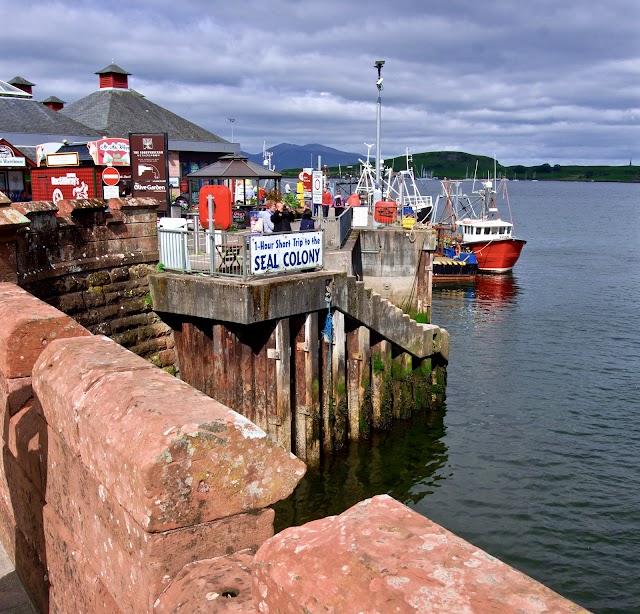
(379, 64)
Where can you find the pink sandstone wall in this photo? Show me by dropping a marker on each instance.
(124, 490)
(115, 475)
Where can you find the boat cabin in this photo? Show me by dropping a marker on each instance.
(474, 231)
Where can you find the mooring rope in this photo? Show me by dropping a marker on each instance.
(327, 332)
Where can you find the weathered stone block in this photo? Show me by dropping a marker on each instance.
(31, 570)
(379, 556)
(132, 204)
(8, 262)
(167, 357)
(29, 325)
(69, 303)
(23, 502)
(100, 278)
(27, 443)
(75, 585)
(119, 274)
(14, 393)
(119, 547)
(171, 456)
(215, 585)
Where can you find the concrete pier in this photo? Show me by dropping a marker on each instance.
(315, 359)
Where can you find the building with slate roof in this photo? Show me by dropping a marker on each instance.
(114, 110)
(25, 123)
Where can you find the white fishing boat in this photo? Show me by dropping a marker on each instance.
(401, 189)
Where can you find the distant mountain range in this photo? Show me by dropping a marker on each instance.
(286, 156)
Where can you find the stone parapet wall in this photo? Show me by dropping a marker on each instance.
(117, 478)
(91, 261)
(125, 491)
(379, 556)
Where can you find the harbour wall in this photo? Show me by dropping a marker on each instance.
(125, 490)
(395, 263)
(90, 261)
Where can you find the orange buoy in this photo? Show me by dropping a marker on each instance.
(222, 216)
(385, 212)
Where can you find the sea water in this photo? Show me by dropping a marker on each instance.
(536, 456)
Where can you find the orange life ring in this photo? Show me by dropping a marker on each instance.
(457, 250)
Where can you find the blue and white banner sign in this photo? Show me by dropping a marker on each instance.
(277, 253)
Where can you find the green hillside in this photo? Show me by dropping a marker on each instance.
(458, 165)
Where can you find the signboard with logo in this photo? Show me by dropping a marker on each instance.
(8, 157)
(58, 184)
(316, 189)
(306, 177)
(150, 167)
(109, 152)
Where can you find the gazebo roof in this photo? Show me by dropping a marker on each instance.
(234, 167)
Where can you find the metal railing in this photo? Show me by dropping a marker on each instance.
(228, 254)
(215, 253)
(337, 230)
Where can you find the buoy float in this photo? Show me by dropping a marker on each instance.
(222, 216)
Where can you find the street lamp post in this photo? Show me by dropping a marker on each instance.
(232, 120)
(379, 64)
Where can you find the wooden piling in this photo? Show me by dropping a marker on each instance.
(359, 382)
(283, 383)
(381, 397)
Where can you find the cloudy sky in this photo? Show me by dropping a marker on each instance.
(527, 82)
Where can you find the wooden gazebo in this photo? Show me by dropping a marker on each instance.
(234, 167)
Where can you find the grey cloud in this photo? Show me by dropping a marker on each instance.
(531, 82)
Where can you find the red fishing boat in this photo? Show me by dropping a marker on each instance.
(480, 229)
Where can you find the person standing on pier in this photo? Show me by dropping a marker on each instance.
(306, 223)
(282, 218)
(267, 214)
(326, 202)
(338, 205)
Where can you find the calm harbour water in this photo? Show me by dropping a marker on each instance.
(536, 456)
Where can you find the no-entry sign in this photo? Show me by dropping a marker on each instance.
(111, 175)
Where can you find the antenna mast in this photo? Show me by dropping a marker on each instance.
(379, 64)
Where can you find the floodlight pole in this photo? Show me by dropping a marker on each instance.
(232, 120)
(379, 64)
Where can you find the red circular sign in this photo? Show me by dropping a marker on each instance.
(111, 175)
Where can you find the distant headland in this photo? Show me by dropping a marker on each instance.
(461, 165)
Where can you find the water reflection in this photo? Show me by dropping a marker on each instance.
(495, 291)
(407, 462)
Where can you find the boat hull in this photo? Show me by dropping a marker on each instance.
(497, 256)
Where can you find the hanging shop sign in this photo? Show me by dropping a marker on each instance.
(150, 167)
(109, 152)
